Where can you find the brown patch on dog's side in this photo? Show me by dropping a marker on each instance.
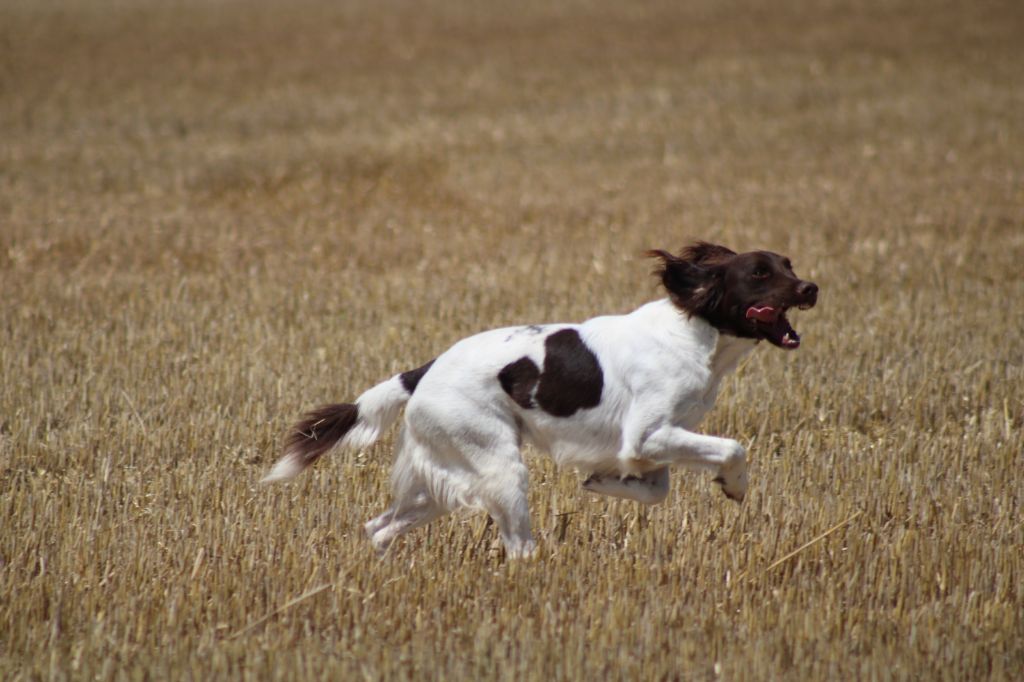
(572, 379)
(518, 379)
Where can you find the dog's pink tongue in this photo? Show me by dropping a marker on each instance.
(762, 314)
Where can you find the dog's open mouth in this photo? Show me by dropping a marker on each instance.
(772, 322)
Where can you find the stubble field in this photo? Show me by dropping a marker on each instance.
(215, 215)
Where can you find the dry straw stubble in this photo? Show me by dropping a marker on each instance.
(217, 215)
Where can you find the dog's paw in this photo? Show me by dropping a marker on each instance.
(521, 550)
(732, 473)
(734, 492)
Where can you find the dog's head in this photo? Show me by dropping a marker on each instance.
(741, 294)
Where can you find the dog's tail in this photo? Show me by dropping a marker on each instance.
(348, 425)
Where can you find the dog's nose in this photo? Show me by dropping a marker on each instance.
(807, 291)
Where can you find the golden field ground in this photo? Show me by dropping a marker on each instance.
(215, 215)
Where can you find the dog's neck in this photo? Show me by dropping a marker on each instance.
(729, 351)
(723, 351)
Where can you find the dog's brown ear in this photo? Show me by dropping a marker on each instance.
(706, 253)
(693, 286)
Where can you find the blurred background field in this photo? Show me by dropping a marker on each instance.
(215, 215)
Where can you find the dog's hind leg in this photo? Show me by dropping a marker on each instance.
(650, 488)
(475, 461)
(378, 522)
(414, 505)
(502, 493)
(400, 519)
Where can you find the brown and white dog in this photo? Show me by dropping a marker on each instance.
(616, 397)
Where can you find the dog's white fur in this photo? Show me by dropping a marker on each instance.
(462, 436)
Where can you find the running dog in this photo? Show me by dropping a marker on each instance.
(616, 397)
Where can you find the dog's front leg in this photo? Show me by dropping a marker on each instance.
(650, 488)
(667, 445)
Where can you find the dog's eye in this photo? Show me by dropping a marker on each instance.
(788, 264)
(760, 272)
